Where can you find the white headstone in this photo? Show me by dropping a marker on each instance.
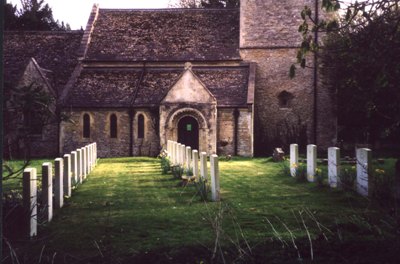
(67, 175)
(74, 167)
(333, 166)
(92, 156)
(203, 165)
(79, 164)
(364, 156)
(178, 153)
(174, 152)
(183, 155)
(84, 163)
(311, 162)
(195, 163)
(47, 190)
(294, 159)
(188, 155)
(214, 169)
(95, 153)
(29, 194)
(58, 184)
(88, 161)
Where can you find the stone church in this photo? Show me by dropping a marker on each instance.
(213, 79)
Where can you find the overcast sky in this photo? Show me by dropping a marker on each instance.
(76, 12)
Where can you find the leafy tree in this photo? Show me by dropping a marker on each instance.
(34, 15)
(27, 109)
(360, 60)
(10, 17)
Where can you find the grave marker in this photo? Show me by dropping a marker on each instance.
(188, 156)
(294, 159)
(333, 166)
(363, 170)
(74, 167)
(29, 194)
(311, 162)
(67, 175)
(84, 163)
(195, 163)
(58, 184)
(79, 165)
(47, 190)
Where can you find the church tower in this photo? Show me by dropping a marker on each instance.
(286, 110)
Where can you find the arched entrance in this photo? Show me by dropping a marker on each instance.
(188, 132)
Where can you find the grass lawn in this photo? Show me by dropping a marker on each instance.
(128, 212)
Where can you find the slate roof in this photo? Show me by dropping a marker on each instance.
(54, 51)
(165, 35)
(117, 87)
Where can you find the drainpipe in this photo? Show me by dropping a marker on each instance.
(236, 114)
(316, 73)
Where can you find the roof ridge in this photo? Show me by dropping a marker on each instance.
(168, 9)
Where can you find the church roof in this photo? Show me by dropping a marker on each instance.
(54, 51)
(124, 87)
(165, 35)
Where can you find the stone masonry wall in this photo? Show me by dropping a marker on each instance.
(269, 37)
(149, 145)
(271, 120)
(71, 135)
(244, 133)
(226, 132)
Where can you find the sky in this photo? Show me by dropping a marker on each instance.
(76, 12)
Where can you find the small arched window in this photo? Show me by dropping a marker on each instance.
(285, 99)
(86, 126)
(113, 126)
(140, 126)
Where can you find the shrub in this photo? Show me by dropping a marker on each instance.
(165, 165)
(177, 171)
(301, 172)
(201, 187)
(347, 178)
(382, 186)
(319, 177)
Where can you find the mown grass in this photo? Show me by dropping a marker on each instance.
(128, 211)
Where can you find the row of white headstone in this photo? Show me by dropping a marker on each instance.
(363, 157)
(70, 170)
(181, 155)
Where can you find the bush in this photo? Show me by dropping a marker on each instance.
(382, 185)
(201, 187)
(301, 172)
(347, 178)
(165, 165)
(177, 171)
(319, 177)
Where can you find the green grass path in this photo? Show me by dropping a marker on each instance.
(126, 206)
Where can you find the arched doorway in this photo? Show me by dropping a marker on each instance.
(188, 132)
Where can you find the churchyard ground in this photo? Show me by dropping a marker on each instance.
(128, 212)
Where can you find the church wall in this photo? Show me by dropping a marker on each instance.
(277, 125)
(149, 145)
(226, 131)
(272, 43)
(71, 134)
(206, 116)
(244, 133)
